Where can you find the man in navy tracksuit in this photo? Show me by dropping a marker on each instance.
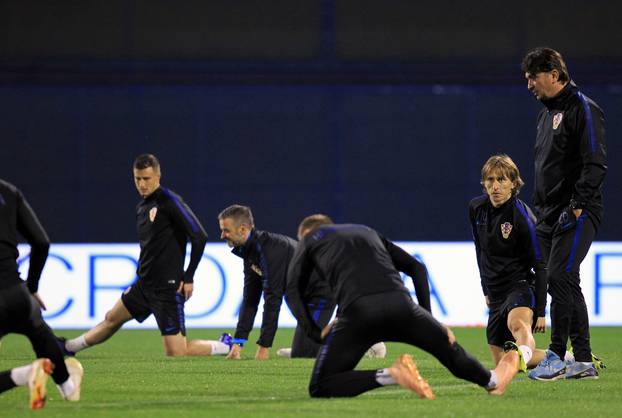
(510, 262)
(373, 305)
(570, 167)
(266, 257)
(320, 300)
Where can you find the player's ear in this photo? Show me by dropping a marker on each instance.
(554, 75)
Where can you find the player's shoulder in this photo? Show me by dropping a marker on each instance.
(8, 192)
(164, 193)
(584, 104)
(524, 210)
(273, 238)
(8, 187)
(167, 198)
(478, 202)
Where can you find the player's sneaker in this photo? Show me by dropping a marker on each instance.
(226, 339)
(76, 372)
(378, 350)
(580, 370)
(404, 371)
(550, 368)
(505, 370)
(511, 345)
(39, 373)
(61, 341)
(598, 362)
(284, 352)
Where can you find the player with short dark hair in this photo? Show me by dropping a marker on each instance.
(373, 305)
(21, 304)
(510, 261)
(165, 224)
(570, 168)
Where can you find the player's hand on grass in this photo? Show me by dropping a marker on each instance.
(540, 324)
(39, 300)
(235, 353)
(262, 353)
(186, 289)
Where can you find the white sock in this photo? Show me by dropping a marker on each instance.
(76, 344)
(19, 375)
(67, 387)
(219, 348)
(569, 357)
(493, 380)
(527, 353)
(384, 378)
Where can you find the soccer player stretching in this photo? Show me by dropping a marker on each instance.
(165, 224)
(510, 261)
(373, 305)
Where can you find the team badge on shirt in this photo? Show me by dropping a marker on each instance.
(506, 228)
(557, 119)
(152, 213)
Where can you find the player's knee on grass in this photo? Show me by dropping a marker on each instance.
(175, 345)
(317, 390)
(175, 350)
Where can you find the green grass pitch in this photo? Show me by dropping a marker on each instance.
(129, 376)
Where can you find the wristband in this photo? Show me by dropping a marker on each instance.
(239, 341)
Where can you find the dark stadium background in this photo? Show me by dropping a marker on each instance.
(377, 112)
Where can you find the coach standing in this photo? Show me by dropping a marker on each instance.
(570, 166)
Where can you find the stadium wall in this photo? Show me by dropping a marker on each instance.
(404, 159)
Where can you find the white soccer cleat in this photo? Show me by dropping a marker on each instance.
(284, 352)
(76, 371)
(37, 380)
(378, 350)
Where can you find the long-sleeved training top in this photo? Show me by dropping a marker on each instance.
(356, 261)
(570, 155)
(17, 217)
(507, 248)
(266, 257)
(165, 224)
